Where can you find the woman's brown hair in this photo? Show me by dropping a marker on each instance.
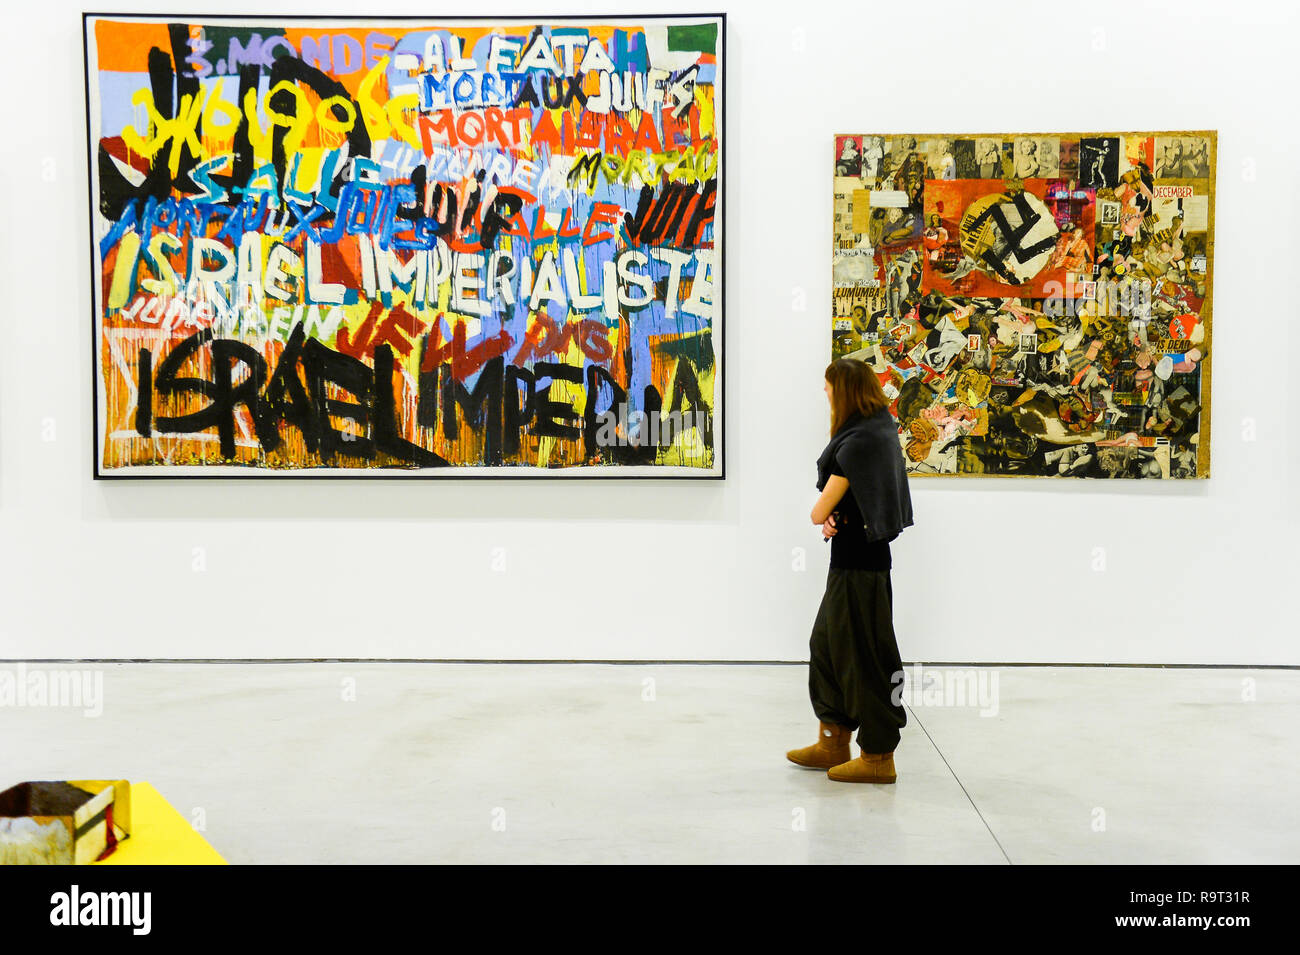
(854, 387)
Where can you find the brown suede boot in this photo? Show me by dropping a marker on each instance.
(831, 748)
(867, 768)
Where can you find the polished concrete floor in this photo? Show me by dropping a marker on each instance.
(415, 763)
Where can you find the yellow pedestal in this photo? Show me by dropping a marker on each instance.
(160, 835)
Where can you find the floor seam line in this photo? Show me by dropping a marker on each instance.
(996, 841)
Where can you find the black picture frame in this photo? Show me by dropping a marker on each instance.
(452, 473)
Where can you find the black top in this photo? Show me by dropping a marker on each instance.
(850, 549)
(866, 451)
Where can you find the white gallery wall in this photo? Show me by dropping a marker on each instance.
(994, 570)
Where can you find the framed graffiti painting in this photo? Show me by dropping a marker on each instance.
(398, 247)
(1034, 304)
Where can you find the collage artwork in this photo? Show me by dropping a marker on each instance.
(401, 247)
(1033, 304)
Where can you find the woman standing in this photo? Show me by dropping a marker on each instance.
(854, 662)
